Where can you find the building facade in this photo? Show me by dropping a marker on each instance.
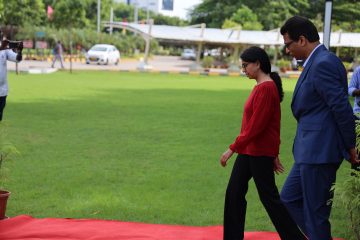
(172, 8)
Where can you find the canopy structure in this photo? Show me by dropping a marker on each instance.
(227, 36)
(234, 38)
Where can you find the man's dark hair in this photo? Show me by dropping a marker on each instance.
(299, 26)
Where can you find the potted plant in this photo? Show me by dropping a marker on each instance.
(348, 195)
(283, 65)
(207, 63)
(6, 150)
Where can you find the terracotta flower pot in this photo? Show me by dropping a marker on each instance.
(4, 195)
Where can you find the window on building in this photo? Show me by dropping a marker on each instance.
(168, 5)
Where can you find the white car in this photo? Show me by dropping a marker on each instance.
(103, 54)
(188, 54)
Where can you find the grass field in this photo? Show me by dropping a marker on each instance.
(132, 147)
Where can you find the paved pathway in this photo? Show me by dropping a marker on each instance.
(158, 63)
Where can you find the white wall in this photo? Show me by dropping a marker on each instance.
(120, 1)
(181, 8)
(153, 4)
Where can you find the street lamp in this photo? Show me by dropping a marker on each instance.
(327, 23)
(98, 15)
(136, 12)
(148, 10)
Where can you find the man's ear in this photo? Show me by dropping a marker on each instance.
(303, 41)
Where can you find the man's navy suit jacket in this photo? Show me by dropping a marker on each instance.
(326, 125)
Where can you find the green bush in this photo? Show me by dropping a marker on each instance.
(208, 62)
(347, 65)
(282, 63)
(348, 195)
(85, 38)
(6, 150)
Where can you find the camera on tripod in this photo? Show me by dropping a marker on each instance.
(7, 44)
(15, 45)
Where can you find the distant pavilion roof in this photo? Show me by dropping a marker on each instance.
(227, 36)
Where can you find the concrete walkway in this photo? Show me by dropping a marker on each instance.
(164, 64)
(158, 63)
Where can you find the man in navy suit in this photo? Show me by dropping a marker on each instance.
(325, 129)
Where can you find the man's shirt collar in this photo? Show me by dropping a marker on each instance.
(308, 58)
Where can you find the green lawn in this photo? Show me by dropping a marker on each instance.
(132, 147)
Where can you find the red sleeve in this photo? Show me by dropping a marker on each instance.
(263, 109)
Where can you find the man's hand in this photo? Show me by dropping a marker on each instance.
(278, 167)
(19, 57)
(356, 93)
(20, 48)
(353, 156)
(225, 157)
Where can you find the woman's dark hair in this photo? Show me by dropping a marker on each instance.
(254, 54)
(299, 26)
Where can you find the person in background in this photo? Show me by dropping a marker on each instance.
(6, 54)
(58, 51)
(325, 129)
(354, 91)
(257, 147)
(294, 64)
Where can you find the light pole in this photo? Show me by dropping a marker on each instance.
(98, 15)
(135, 12)
(111, 20)
(327, 23)
(148, 10)
(144, 65)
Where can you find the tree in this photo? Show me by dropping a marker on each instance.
(246, 18)
(123, 11)
(1, 10)
(230, 24)
(271, 14)
(347, 13)
(214, 12)
(91, 10)
(19, 12)
(69, 13)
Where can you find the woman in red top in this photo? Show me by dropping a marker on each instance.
(257, 147)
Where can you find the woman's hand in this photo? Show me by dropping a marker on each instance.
(278, 167)
(225, 157)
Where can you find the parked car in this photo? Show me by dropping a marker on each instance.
(103, 54)
(216, 52)
(188, 54)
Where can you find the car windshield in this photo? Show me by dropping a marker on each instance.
(100, 49)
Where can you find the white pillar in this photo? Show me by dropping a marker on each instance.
(144, 66)
(327, 23)
(111, 20)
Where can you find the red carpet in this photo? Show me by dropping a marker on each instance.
(27, 228)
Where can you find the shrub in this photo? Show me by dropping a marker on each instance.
(207, 62)
(347, 65)
(6, 150)
(283, 64)
(348, 195)
(85, 38)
